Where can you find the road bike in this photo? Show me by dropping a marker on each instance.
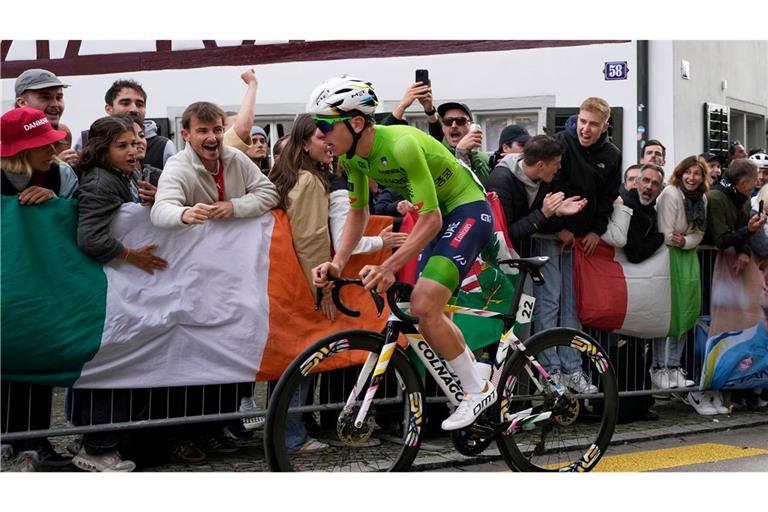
(376, 420)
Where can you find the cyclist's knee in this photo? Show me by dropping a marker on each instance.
(426, 306)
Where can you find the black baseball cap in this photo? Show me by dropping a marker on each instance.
(442, 109)
(709, 156)
(514, 133)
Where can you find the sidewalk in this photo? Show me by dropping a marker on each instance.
(675, 419)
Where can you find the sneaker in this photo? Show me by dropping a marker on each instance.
(760, 403)
(662, 378)
(309, 446)
(48, 457)
(716, 399)
(470, 408)
(701, 402)
(26, 462)
(248, 404)
(186, 452)
(216, 444)
(578, 382)
(106, 462)
(236, 432)
(678, 377)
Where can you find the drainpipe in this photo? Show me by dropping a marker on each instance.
(642, 96)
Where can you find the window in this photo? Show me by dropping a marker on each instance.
(717, 128)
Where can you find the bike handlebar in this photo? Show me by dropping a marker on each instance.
(398, 291)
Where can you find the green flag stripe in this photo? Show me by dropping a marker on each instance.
(685, 288)
(53, 295)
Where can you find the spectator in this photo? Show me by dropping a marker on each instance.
(259, 150)
(728, 221)
(523, 184)
(736, 151)
(278, 149)
(715, 164)
(237, 125)
(682, 219)
(129, 97)
(109, 163)
(209, 180)
(30, 171)
(761, 161)
(643, 237)
(303, 177)
(416, 91)
(654, 152)
(590, 169)
(144, 171)
(65, 143)
(42, 90)
(512, 139)
(457, 137)
(630, 178)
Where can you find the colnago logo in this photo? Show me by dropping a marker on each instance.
(485, 403)
(463, 230)
(440, 371)
(35, 124)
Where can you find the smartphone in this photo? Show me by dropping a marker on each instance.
(422, 76)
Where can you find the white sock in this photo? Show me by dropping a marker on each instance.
(464, 366)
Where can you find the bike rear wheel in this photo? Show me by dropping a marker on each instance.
(578, 430)
(391, 434)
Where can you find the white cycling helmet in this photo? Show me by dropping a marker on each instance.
(761, 159)
(338, 96)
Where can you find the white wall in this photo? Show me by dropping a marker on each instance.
(661, 111)
(569, 74)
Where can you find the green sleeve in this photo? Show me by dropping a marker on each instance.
(412, 159)
(358, 188)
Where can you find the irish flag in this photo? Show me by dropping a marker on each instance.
(658, 297)
(233, 305)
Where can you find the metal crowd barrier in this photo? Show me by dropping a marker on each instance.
(165, 407)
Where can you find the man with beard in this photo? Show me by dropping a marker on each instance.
(209, 180)
(643, 237)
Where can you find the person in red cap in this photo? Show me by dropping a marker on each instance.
(30, 168)
(31, 172)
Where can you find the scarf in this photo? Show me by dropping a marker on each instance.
(695, 214)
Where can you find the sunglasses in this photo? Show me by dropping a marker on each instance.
(460, 121)
(325, 125)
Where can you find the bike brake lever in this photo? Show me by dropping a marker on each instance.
(379, 302)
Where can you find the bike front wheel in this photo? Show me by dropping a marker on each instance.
(548, 431)
(310, 397)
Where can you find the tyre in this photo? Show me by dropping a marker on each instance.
(388, 439)
(576, 431)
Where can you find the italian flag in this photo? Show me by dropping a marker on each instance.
(233, 305)
(658, 297)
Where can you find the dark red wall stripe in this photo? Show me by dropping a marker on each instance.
(265, 54)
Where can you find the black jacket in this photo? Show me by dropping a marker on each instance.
(102, 192)
(593, 173)
(643, 237)
(522, 220)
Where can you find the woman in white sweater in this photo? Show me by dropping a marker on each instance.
(682, 218)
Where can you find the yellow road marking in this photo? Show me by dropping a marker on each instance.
(673, 457)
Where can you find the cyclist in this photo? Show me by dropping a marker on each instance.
(455, 221)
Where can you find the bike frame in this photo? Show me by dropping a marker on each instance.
(439, 367)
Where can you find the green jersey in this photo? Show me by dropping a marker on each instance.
(415, 165)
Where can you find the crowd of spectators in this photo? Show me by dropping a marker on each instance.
(569, 186)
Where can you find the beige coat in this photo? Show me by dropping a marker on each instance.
(186, 182)
(308, 213)
(670, 215)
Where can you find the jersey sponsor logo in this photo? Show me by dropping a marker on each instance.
(485, 217)
(458, 258)
(384, 161)
(352, 200)
(440, 180)
(465, 228)
(450, 230)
